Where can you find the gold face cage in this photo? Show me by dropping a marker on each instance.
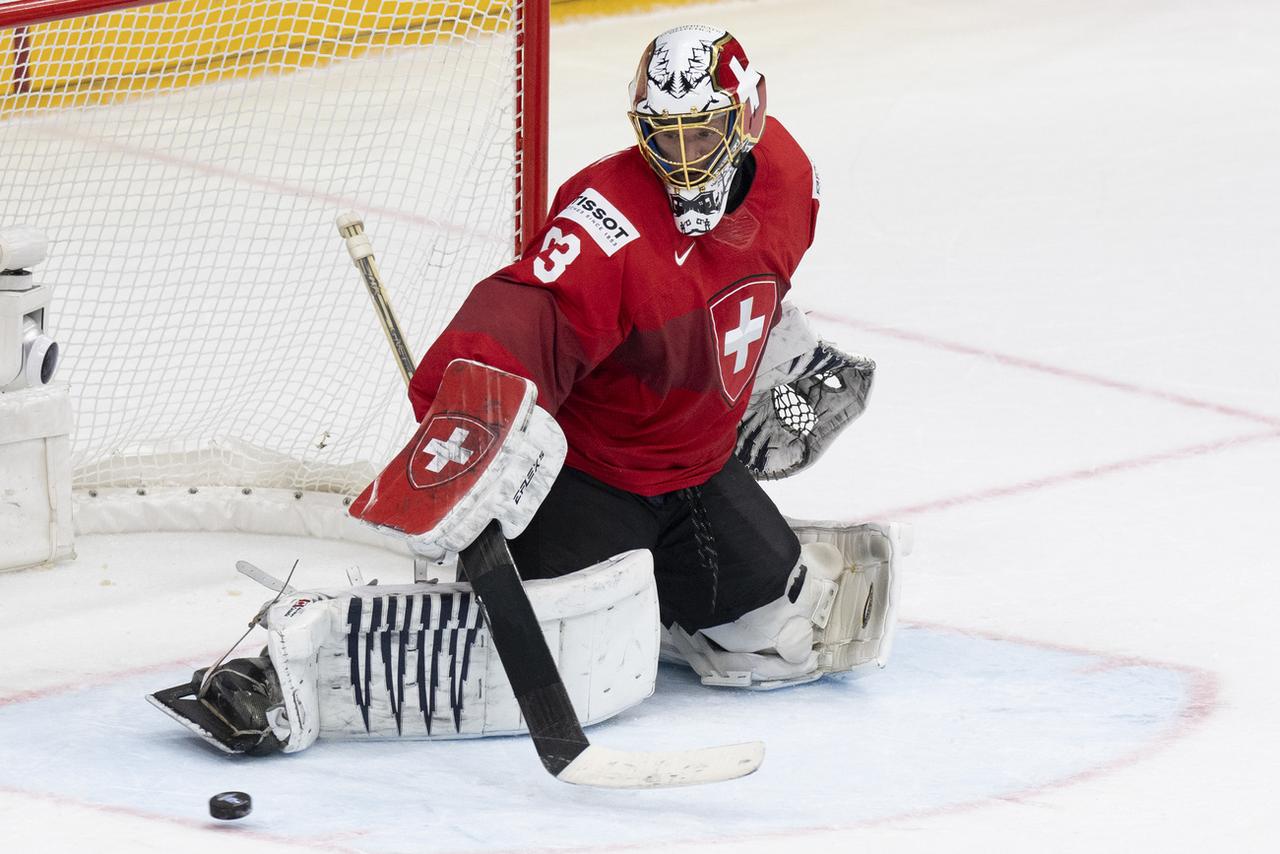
(690, 150)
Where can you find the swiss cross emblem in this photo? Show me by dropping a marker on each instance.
(741, 316)
(737, 77)
(449, 446)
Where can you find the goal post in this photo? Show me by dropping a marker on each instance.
(186, 159)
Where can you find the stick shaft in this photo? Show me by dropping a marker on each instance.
(352, 230)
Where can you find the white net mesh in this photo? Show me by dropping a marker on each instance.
(187, 160)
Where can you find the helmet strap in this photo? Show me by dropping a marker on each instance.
(742, 180)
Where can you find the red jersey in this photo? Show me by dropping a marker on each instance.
(643, 342)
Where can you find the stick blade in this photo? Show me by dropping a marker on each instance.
(621, 769)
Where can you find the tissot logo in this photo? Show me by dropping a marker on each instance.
(602, 215)
(449, 446)
(741, 316)
(605, 224)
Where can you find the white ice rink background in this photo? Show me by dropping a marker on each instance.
(1054, 226)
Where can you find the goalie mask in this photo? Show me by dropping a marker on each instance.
(697, 107)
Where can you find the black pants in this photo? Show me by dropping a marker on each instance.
(719, 550)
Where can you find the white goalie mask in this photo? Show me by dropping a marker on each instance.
(697, 107)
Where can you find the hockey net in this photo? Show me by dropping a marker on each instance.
(187, 160)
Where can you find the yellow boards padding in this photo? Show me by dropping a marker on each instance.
(115, 55)
(568, 10)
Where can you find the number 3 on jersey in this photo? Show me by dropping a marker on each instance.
(557, 253)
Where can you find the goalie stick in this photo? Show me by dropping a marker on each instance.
(351, 227)
(539, 690)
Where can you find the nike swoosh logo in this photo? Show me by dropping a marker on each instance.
(680, 258)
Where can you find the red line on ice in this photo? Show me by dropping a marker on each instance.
(1077, 475)
(1202, 701)
(209, 824)
(1046, 368)
(1082, 474)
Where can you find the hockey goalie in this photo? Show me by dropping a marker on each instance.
(611, 398)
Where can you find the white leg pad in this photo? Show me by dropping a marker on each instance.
(859, 631)
(416, 661)
(785, 625)
(838, 614)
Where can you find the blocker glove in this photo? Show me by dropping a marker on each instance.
(483, 451)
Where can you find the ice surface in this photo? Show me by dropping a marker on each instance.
(1053, 226)
(989, 717)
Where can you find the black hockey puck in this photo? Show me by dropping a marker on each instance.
(230, 805)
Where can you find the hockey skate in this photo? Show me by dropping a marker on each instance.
(232, 711)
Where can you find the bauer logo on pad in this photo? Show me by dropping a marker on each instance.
(449, 446)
